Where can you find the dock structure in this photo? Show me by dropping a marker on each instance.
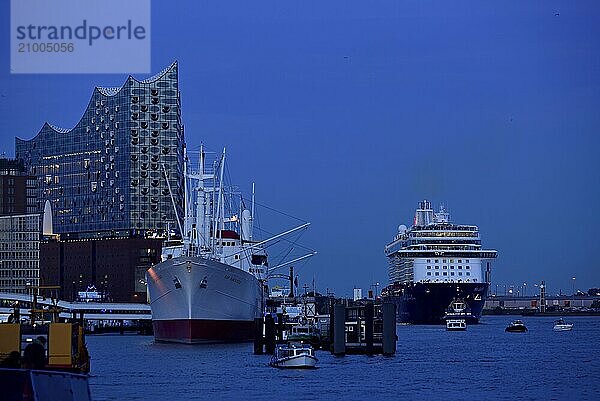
(268, 331)
(342, 326)
(363, 328)
(99, 317)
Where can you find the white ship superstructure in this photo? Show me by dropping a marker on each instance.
(437, 251)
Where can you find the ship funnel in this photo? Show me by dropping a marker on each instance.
(246, 224)
(424, 214)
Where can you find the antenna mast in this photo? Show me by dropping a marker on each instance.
(252, 215)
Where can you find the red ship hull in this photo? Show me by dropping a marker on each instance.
(197, 331)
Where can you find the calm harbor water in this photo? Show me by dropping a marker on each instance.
(482, 363)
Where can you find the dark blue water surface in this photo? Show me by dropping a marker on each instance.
(482, 363)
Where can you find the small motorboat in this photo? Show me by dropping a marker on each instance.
(458, 309)
(561, 325)
(294, 356)
(456, 325)
(516, 327)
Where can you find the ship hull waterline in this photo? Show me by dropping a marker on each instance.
(426, 303)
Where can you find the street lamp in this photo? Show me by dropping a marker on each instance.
(376, 286)
(572, 292)
(524, 289)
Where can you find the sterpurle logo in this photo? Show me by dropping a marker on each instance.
(80, 36)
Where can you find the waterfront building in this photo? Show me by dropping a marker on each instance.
(118, 171)
(19, 252)
(115, 266)
(17, 189)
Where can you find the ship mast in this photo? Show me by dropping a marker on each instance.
(219, 211)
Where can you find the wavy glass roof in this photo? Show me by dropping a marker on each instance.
(104, 91)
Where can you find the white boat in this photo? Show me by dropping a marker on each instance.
(211, 287)
(561, 325)
(456, 325)
(294, 356)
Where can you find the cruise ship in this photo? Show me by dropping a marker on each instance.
(436, 264)
(211, 287)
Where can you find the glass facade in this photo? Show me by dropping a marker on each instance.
(19, 252)
(111, 173)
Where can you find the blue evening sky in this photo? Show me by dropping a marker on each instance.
(347, 113)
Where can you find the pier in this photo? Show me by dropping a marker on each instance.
(107, 316)
(342, 327)
(363, 328)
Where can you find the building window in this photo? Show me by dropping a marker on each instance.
(437, 273)
(428, 267)
(429, 273)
